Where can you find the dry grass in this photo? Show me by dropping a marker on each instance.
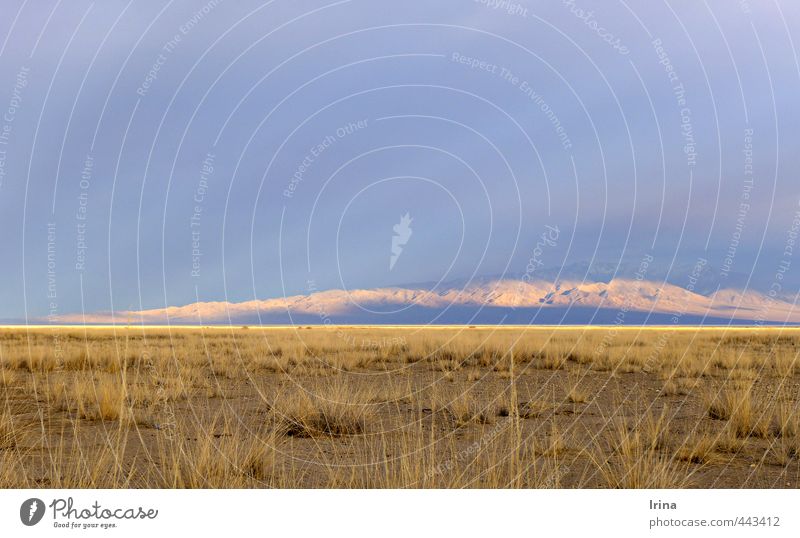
(785, 450)
(636, 460)
(725, 405)
(679, 387)
(699, 449)
(8, 378)
(786, 420)
(398, 408)
(576, 393)
(329, 409)
(7, 430)
(746, 416)
(648, 470)
(462, 408)
(226, 458)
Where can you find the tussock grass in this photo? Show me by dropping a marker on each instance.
(648, 470)
(747, 415)
(331, 409)
(699, 449)
(785, 450)
(786, 420)
(679, 387)
(637, 461)
(462, 408)
(221, 459)
(630, 437)
(576, 393)
(551, 360)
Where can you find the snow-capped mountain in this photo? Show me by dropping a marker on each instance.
(618, 301)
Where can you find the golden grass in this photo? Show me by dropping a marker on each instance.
(646, 470)
(8, 378)
(699, 449)
(747, 415)
(333, 408)
(398, 407)
(636, 462)
(785, 450)
(678, 386)
(576, 393)
(220, 459)
(462, 408)
(786, 420)
(7, 430)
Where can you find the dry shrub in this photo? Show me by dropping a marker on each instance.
(742, 374)
(176, 381)
(88, 462)
(446, 355)
(497, 459)
(583, 356)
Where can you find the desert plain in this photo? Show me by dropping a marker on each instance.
(399, 407)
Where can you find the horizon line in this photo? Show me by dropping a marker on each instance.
(681, 327)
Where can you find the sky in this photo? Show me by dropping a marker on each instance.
(161, 153)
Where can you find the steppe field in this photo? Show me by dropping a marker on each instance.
(399, 407)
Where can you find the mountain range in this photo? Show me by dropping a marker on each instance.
(620, 300)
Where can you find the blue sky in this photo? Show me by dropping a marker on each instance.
(150, 148)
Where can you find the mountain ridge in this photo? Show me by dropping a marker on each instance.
(513, 297)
